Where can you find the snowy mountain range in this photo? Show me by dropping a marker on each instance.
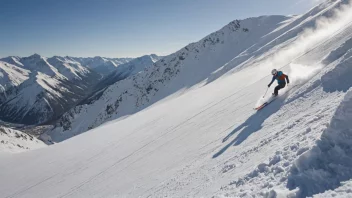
(36, 89)
(186, 127)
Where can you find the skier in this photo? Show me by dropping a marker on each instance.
(280, 77)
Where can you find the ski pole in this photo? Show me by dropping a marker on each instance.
(266, 92)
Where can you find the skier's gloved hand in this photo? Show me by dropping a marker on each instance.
(268, 85)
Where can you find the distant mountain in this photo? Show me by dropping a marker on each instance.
(47, 87)
(121, 72)
(36, 89)
(102, 65)
(11, 76)
(137, 65)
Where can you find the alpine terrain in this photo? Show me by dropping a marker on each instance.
(185, 125)
(36, 89)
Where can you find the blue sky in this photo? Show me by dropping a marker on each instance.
(122, 28)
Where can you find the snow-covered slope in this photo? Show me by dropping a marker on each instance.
(121, 72)
(71, 69)
(136, 65)
(11, 76)
(14, 141)
(187, 67)
(201, 62)
(129, 69)
(196, 134)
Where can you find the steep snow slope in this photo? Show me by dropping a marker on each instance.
(330, 161)
(204, 61)
(17, 141)
(187, 67)
(206, 141)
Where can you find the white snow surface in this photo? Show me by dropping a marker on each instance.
(194, 133)
(14, 141)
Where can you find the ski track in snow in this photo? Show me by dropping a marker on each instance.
(208, 141)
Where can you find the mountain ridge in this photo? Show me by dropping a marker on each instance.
(37, 89)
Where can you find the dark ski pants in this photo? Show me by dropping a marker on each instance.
(277, 88)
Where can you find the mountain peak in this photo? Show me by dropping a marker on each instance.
(35, 56)
(98, 58)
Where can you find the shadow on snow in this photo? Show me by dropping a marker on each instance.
(252, 124)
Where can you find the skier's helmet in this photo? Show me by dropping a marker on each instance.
(274, 72)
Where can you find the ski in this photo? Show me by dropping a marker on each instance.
(272, 99)
(265, 104)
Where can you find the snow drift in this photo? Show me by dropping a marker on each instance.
(329, 163)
